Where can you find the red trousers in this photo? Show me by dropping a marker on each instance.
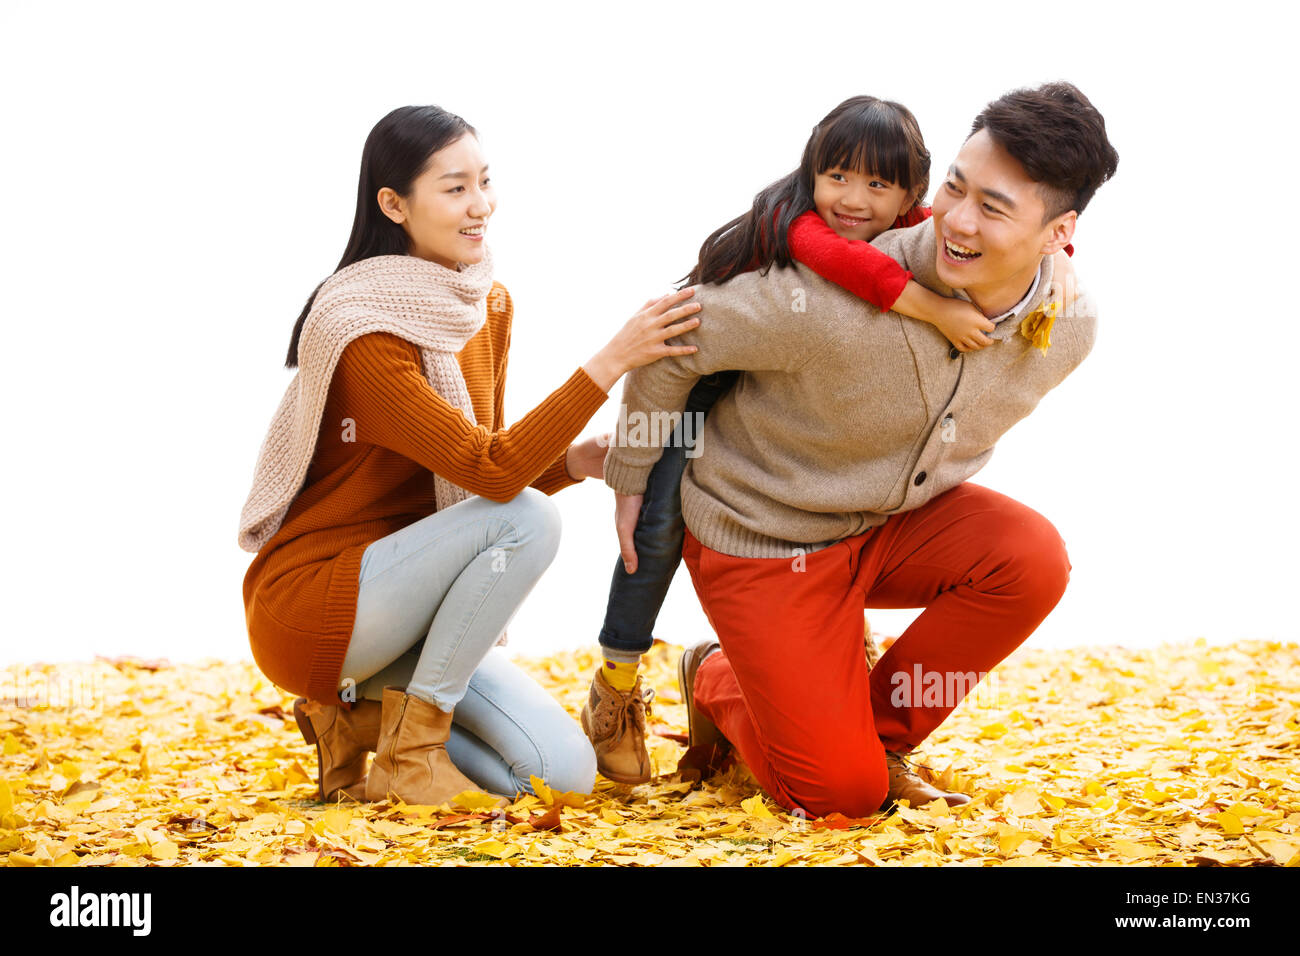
(791, 690)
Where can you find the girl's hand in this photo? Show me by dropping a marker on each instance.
(1065, 285)
(963, 325)
(586, 459)
(642, 339)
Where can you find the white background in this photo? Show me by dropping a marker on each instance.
(175, 184)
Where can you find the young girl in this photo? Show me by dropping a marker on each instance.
(865, 169)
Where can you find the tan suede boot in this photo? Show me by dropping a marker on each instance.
(614, 722)
(343, 739)
(906, 784)
(411, 761)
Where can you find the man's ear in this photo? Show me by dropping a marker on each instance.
(1060, 233)
(392, 205)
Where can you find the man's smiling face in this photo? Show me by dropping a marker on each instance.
(989, 228)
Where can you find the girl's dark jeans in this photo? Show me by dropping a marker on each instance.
(635, 599)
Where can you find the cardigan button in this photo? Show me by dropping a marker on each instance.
(954, 352)
(920, 477)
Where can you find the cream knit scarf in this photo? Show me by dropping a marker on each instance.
(429, 305)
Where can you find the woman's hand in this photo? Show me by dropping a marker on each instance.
(641, 340)
(586, 459)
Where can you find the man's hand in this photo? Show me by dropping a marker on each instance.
(586, 459)
(627, 509)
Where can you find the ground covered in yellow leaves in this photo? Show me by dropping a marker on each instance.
(1182, 755)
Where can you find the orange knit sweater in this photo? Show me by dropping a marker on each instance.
(383, 431)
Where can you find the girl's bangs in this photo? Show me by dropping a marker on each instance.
(873, 142)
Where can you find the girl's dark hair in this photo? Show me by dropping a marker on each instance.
(397, 151)
(876, 136)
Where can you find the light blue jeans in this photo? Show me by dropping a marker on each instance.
(434, 597)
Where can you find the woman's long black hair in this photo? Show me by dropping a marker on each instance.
(875, 136)
(396, 153)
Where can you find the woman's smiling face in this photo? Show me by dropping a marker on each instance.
(446, 213)
(857, 205)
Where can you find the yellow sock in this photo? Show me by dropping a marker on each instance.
(620, 675)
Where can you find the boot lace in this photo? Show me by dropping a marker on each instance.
(620, 711)
(906, 767)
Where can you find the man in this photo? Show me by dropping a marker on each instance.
(833, 477)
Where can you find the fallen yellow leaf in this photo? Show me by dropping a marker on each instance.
(475, 800)
(1230, 822)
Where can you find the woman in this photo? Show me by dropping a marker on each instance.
(398, 525)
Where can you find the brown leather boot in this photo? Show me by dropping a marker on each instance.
(411, 761)
(702, 731)
(343, 739)
(707, 750)
(614, 722)
(906, 784)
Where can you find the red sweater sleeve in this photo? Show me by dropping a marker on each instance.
(380, 377)
(852, 263)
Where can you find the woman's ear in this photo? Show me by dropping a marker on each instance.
(392, 205)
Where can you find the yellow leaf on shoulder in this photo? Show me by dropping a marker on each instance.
(1037, 326)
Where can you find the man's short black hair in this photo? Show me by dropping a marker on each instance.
(1058, 136)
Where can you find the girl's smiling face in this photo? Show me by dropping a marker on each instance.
(446, 212)
(858, 205)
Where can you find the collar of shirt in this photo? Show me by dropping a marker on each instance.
(1038, 277)
(1006, 329)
